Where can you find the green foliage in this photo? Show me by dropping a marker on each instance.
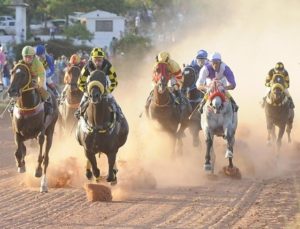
(132, 45)
(55, 47)
(78, 31)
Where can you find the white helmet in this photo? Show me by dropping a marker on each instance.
(216, 56)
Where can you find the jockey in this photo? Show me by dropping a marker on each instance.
(217, 69)
(37, 72)
(48, 63)
(176, 77)
(279, 70)
(97, 61)
(199, 61)
(75, 60)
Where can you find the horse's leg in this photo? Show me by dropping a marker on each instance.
(290, 125)
(49, 139)
(112, 167)
(279, 137)
(88, 172)
(20, 153)
(41, 139)
(209, 143)
(92, 159)
(229, 151)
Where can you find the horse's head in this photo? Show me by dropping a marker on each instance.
(20, 80)
(216, 104)
(161, 76)
(278, 79)
(277, 92)
(72, 76)
(216, 95)
(189, 77)
(96, 86)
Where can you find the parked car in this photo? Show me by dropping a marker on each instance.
(6, 18)
(8, 27)
(58, 24)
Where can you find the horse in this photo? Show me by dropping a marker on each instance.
(278, 112)
(194, 96)
(219, 120)
(101, 129)
(29, 121)
(174, 118)
(70, 100)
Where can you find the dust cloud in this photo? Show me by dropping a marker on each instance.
(251, 37)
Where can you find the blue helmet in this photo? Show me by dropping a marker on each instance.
(40, 50)
(201, 54)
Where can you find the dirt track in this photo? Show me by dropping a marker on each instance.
(251, 202)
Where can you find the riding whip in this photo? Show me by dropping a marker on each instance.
(2, 114)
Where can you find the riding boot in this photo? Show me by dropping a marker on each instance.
(292, 105)
(11, 106)
(202, 103)
(263, 103)
(53, 89)
(48, 106)
(148, 102)
(120, 114)
(235, 107)
(82, 107)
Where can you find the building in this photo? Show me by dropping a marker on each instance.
(104, 26)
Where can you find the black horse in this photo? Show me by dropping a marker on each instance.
(101, 129)
(30, 121)
(70, 100)
(194, 96)
(174, 118)
(278, 113)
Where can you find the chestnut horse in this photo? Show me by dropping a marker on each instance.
(174, 118)
(30, 121)
(70, 101)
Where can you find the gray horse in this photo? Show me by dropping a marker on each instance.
(219, 120)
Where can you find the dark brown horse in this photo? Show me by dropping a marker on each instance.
(29, 121)
(278, 113)
(174, 118)
(101, 129)
(194, 96)
(70, 100)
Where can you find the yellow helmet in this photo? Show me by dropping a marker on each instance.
(163, 56)
(279, 66)
(28, 51)
(97, 52)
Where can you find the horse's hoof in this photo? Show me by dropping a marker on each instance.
(89, 174)
(22, 169)
(111, 178)
(233, 172)
(43, 189)
(207, 168)
(38, 172)
(228, 154)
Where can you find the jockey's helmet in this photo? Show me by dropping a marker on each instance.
(216, 57)
(97, 52)
(75, 59)
(163, 56)
(279, 67)
(28, 51)
(40, 50)
(201, 54)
